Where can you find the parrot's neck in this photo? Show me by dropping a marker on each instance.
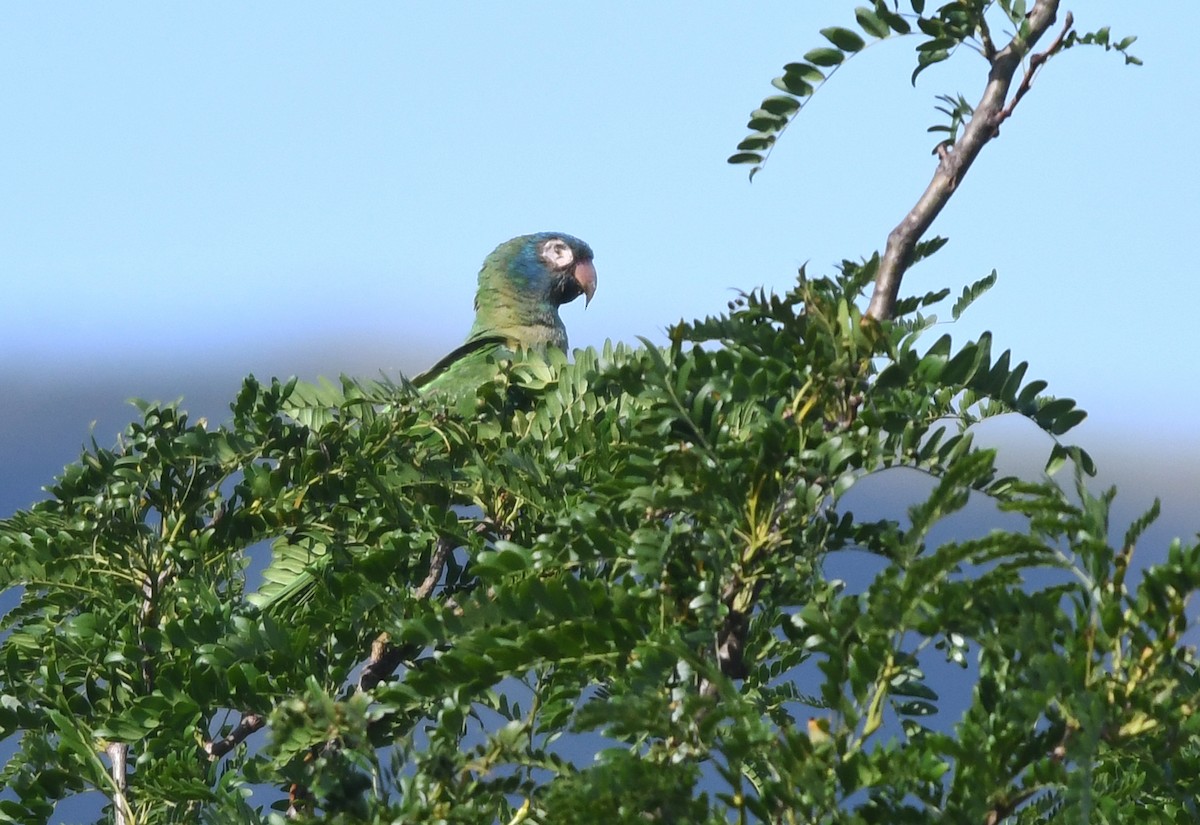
(537, 336)
(527, 324)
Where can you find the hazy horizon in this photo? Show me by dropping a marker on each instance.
(52, 411)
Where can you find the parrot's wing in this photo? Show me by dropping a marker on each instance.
(462, 351)
(291, 576)
(296, 567)
(521, 285)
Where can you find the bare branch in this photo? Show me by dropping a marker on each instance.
(386, 657)
(437, 563)
(152, 587)
(954, 163)
(249, 724)
(118, 753)
(985, 36)
(1035, 63)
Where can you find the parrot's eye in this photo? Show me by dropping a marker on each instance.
(557, 254)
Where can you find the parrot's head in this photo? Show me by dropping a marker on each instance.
(524, 282)
(550, 267)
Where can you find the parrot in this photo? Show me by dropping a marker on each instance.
(522, 284)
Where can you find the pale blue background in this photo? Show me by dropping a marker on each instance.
(192, 192)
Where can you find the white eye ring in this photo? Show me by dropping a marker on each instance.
(557, 254)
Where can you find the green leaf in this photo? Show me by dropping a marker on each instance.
(745, 157)
(824, 57)
(1068, 421)
(793, 84)
(936, 44)
(844, 39)
(805, 71)
(932, 26)
(1030, 393)
(871, 23)
(756, 143)
(930, 298)
(1085, 462)
(1058, 457)
(1058, 415)
(961, 368)
(763, 121)
(971, 293)
(915, 708)
(927, 59)
(928, 247)
(897, 23)
(781, 105)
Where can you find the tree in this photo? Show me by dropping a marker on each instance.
(624, 553)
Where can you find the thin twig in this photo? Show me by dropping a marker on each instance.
(437, 563)
(118, 753)
(152, 588)
(985, 37)
(249, 724)
(1035, 63)
(385, 656)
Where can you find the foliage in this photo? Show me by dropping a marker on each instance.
(602, 590)
(940, 34)
(642, 561)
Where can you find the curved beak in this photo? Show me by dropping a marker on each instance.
(585, 277)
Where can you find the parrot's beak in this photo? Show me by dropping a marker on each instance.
(585, 276)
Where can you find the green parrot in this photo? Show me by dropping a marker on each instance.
(521, 286)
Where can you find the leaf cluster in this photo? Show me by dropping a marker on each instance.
(640, 543)
(602, 590)
(940, 33)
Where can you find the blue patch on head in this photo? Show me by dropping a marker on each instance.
(526, 263)
(580, 249)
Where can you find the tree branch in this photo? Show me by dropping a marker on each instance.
(386, 657)
(1035, 63)
(954, 163)
(118, 753)
(249, 724)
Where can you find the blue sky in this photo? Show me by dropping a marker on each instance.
(304, 188)
(192, 192)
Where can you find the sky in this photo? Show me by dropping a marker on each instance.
(194, 192)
